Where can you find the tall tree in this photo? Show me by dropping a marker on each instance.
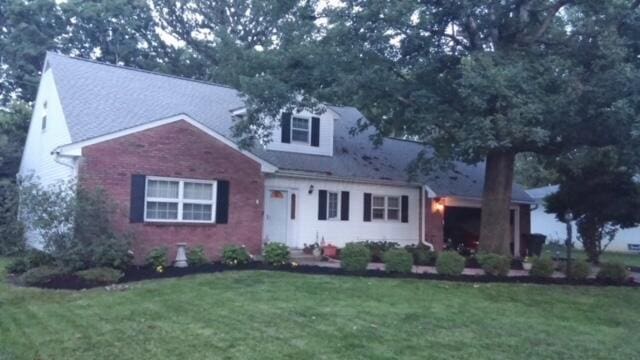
(475, 80)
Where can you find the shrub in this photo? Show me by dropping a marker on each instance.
(196, 256)
(450, 263)
(101, 275)
(422, 255)
(237, 255)
(494, 264)
(378, 248)
(613, 271)
(41, 275)
(398, 260)
(35, 258)
(157, 257)
(75, 224)
(276, 254)
(541, 267)
(355, 257)
(18, 266)
(580, 270)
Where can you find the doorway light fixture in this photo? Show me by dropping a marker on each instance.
(310, 189)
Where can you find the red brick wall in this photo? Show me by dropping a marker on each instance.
(434, 225)
(179, 150)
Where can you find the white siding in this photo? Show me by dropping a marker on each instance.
(37, 159)
(326, 137)
(548, 225)
(307, 229)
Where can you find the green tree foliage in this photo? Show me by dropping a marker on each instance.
(599, 189)
(475, 80)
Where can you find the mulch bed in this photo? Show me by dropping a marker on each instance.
(72, 282)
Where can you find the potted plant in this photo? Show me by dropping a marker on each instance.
(526, 263)
(330, 251)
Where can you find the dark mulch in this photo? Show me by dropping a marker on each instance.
(72, 282)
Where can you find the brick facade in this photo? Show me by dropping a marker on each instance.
(178, 150)
(434, 223)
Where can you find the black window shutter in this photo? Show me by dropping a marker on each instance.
(222, 202)
(367, 207)
(344, 205)
(315, 131)
(136, 211)
(285, 124)
(322, 205)
(404, 209)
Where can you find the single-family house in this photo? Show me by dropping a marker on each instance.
(162, 149)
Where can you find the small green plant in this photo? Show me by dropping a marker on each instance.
(614, 272)
(450, 263)
(355, 257)
(101, 275)
(157, 258)
(541, 267)
(235, 255)
(31, 259)
(580, 270)
(494, 264)
(41, 275)
(422, 255)
(398, 260)
(276, 254)
(196, 256)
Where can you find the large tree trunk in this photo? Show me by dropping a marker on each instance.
(495, 230)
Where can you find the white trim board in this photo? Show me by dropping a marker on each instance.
(75, 149)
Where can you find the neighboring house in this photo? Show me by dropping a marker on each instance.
(161, 147)
(555, 230)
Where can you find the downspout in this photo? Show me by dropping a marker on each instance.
(423, 211)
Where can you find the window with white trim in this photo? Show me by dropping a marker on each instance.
(300, 129)
(178, 200)
(332, 205)
(385, 208)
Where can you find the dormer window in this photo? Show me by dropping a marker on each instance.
(300, 130)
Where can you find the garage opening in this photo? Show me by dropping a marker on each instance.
(462, 229)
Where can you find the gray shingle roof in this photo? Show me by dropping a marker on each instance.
(99, 99)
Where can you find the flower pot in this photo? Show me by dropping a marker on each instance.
(330, 251)
(526, 266)
(317, 253)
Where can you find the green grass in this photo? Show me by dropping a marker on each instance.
(629, 259)
(270, 315)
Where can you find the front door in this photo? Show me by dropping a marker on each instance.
(276, 218)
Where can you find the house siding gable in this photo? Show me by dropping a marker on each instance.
(178, 150)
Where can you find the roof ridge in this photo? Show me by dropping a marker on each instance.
(150, 72)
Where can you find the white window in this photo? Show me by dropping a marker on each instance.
(385, 207)
(176, 200)
(332, 208)
(300, 130)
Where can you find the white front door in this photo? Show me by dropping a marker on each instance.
(276, 216)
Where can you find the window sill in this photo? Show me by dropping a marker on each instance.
(178, 224)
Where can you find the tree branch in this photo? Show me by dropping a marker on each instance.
(553, 11)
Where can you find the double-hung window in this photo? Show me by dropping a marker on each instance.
(300, 129)
(179, 200)
(332, 205)
(385, 207)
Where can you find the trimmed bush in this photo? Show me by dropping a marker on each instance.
(276, 254)
(398, 260)
(541, 267)
(196, 256)
(157, 257)
(450, 263)
(614, 272)
(580, 270)
(378, 248)
(18, 266)
(235, 255)
(355, 257)
(41, 275)
(422, 255)
(494, 264)
(101, 275)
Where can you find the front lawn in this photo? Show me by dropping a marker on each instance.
(627, 258)
(271, 315)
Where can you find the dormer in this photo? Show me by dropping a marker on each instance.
(304, 132)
